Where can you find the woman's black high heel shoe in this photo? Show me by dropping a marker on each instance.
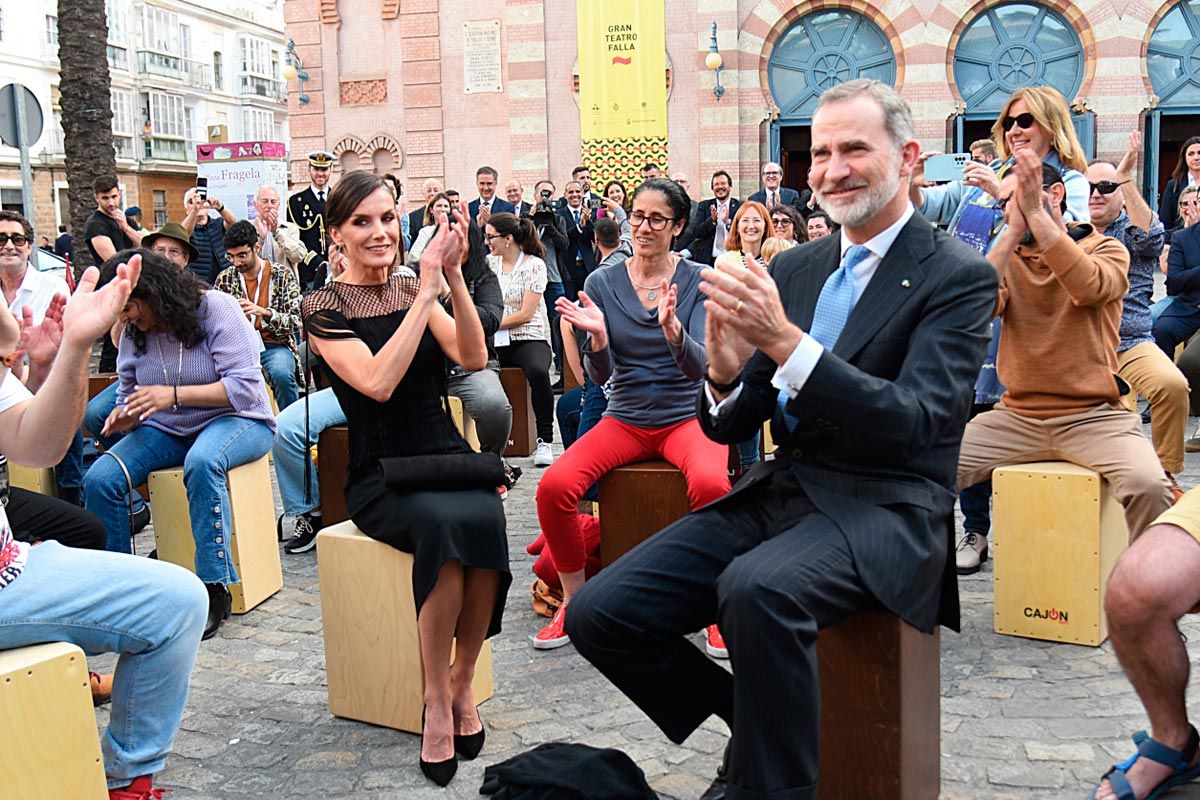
(440, 772)
(469, 745)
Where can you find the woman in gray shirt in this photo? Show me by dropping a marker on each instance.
(644, 323)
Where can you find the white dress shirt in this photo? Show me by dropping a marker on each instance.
(37, 289)
(793, 373)
(722, 232)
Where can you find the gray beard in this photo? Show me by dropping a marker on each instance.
(858, 212)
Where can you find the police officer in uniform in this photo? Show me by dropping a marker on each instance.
(306, 210)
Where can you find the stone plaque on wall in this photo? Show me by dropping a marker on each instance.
(481, 57)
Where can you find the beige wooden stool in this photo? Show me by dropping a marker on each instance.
(1058, 534)
(372, 650)
(522, 439)
(251, 530)
(50, 745)
(464, 422)
(33, 479)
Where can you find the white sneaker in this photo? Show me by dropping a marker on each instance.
(972, 550)
(542, 457)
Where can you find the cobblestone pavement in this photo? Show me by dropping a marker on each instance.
(1020, 718)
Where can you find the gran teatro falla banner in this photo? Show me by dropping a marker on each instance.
(622, 87)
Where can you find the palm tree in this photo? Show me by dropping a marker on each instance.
(86, 113)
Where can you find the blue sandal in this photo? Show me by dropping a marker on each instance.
(1178, 760)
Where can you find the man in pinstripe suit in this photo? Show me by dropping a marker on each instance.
(862, 352)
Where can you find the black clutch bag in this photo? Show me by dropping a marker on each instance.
(443, 472)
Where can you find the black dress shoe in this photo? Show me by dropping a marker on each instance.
(440, 772)
(469, 745)
(716, 790)
(219, 606)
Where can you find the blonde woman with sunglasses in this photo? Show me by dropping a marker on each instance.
(1035, 117)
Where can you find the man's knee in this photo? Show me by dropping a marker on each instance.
(1140, 587)
(746, 595)
(591, 623)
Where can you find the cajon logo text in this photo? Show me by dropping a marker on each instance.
(1052, 614)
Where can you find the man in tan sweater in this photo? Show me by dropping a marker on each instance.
(1060, 299)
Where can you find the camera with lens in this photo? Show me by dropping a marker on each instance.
(543, 212)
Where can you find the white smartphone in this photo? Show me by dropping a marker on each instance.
(946, 167)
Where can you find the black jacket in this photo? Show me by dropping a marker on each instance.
(698, 239)
(882, 414)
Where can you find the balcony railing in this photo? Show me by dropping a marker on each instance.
(193, 73)
(118, 58)
(123, 147)
(198, 74)
(165, 149)
(263, 87)
(160, 64)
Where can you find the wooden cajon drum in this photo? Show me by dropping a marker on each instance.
(463, 422)
(50, 745)
(522, 438)
(880, 709)
(639, 500)
(333, 464)
(1058, 534)
(372, 650)
(99, 382)
(251, 531)
(33, 479)
(568, 377)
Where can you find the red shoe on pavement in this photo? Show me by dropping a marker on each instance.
(142, 788)
(714, 643)
(553, 635)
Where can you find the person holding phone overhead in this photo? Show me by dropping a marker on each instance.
(1035, 118)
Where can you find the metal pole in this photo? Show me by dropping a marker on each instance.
(26, 171)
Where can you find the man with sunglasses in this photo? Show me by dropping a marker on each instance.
(1118, 209)
(1060, 299)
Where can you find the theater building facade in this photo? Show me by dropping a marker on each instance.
(390, 84)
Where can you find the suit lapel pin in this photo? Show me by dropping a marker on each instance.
(905, 283)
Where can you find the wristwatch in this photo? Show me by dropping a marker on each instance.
(723, 388)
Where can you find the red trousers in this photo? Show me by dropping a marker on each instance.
(613, 444)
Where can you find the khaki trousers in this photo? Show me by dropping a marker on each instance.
(1148, 371)
(1105, 439)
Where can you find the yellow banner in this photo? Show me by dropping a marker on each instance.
(622, 86)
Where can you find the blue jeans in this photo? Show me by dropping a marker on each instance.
(1156, 309)
(98, 409)
(280, 366)
(69, 472)
(554, 290)
(568, 410)
(748, 451)
(94, 416)
(291, 449)
(594, 406)
(150, 612)
(225, 443)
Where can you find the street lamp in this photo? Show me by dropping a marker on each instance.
(714, 62)
(293, 67)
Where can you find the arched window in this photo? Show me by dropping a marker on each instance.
(349, 161)
(1015, 45)
(382, 161)
(821, 50)
(1173, 57)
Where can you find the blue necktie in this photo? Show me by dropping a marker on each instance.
(831, 313)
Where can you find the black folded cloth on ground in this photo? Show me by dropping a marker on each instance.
(560, 771)
(443, 472)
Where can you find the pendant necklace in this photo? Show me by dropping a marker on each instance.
(651, 291)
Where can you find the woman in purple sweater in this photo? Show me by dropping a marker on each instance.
(191, 393)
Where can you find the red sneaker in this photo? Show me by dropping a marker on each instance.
(142, 788)
(553, 635)
(714, 643)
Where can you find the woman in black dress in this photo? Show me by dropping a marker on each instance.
(385, 338)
